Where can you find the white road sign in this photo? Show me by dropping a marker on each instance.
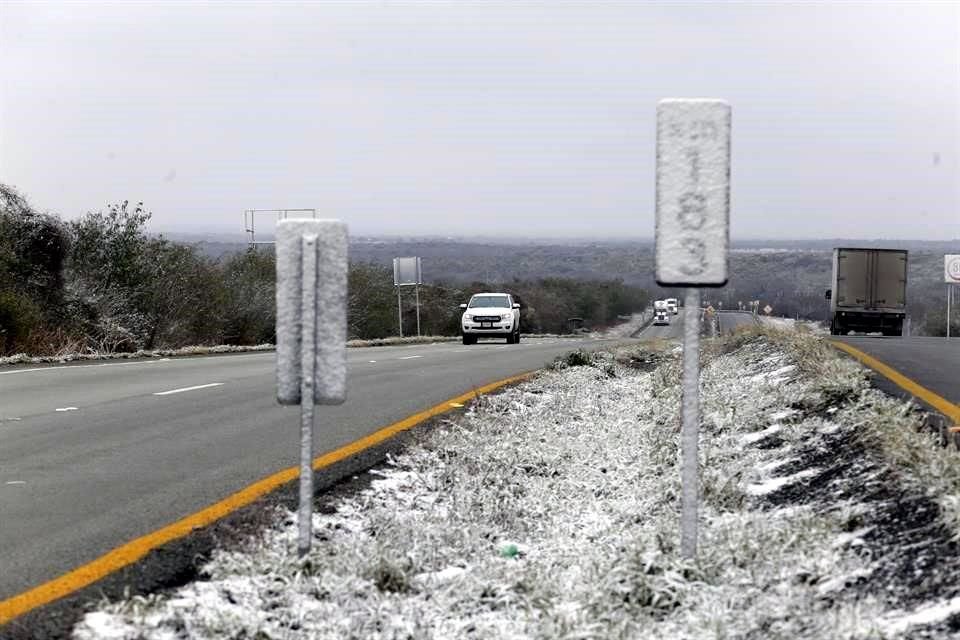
(767, 309)
(407, 271)
(328, 340)
(311, 334)
(693, 192)
(951, 269)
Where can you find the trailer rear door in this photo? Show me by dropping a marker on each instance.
(853, 277)
(890, 280)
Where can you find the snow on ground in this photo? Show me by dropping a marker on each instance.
(550, 511)
(790, 324)
(22, 358)
(630, 327)
(197, 350)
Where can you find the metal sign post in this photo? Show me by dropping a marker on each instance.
(311, 334)
(250, 218)
(308, 370)
(399, 312)
(951, 275)
(417, 289)
(692, 239)
(407, 271)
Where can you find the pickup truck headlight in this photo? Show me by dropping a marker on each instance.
(506, 316)
(467, 316)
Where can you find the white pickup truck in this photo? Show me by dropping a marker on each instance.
(490, 314)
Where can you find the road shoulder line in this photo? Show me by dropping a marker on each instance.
(132, 551)
(944, 406)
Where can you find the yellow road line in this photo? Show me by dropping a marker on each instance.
(939, 403)
(132, 551)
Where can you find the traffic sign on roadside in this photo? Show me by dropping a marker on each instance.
(951, 268)
(767, 309)
(407, 271)
(329, 308)
(311, 334)
(693, 192)
(951, 274)
(692, 238)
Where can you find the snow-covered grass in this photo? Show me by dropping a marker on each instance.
(383, 342)
(22, 358)
(790, 323)
(630, 327)
(550, 511)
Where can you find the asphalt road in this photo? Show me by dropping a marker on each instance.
(730, 320)
(94, 455)
(933, 363)
(674, 330)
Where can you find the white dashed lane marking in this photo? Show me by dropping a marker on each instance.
(199, 386)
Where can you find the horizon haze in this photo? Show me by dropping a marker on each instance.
(485, 119)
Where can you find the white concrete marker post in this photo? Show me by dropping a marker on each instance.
(311, 334)
(692, 239)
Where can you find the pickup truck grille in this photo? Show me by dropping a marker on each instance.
(486, 318)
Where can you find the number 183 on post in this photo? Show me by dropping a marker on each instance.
(693, 192)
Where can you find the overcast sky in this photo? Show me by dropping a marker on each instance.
(494, 118)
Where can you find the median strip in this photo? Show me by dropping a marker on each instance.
(137, 548)
(551, 510)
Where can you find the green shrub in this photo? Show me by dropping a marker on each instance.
(18, 317)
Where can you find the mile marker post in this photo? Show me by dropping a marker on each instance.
(311, 334)
(692, 240)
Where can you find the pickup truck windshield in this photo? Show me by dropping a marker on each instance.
(489, 301)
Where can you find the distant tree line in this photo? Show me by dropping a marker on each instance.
(790, 276)
(102, 283)
(793, 283)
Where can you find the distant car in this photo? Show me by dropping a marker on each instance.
(673, 306)
(661, 318)
(490, 314)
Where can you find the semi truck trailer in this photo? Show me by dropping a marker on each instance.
(869, 292)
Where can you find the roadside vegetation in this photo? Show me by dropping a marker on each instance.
(789, 275)
(550, 511)
(101, 284)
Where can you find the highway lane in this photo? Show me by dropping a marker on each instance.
(92, 456)
(730, 320)
(934, 363)
(672, 331)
